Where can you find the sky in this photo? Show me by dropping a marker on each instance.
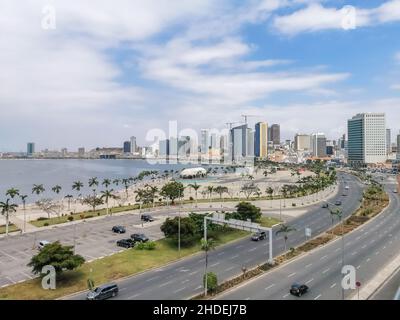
(95, 72)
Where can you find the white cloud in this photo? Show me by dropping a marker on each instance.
(395, 86)
(316, 17)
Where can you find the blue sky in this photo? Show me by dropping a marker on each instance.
(122, 68)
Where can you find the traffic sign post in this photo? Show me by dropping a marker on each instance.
(358, 285)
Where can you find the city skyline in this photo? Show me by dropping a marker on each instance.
(267, 58)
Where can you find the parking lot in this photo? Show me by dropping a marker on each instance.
(93, 240)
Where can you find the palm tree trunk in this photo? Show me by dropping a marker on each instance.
(7, 223)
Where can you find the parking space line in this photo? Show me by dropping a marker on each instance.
(333, 285)
(309, 281)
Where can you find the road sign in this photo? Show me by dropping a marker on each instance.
(308, 232)
(358, 284)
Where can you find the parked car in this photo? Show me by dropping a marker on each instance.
(126, 243)
(325, 205)
(103, 292)
(118, 229)
(147, 218)
(347, 187)
(42, 244)
(139, 237)
(259, 236)
(338, 203)
(298, 289)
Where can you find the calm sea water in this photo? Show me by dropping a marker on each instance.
(22, 174)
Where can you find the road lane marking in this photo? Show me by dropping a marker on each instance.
(354, 253)
(197, 288)
(230, 268)
(309, 265)
(325, 271)
(192, 273)
(238, 247)
(337, 249)
(221, 253)
(153, 278)
(270, 286)
(377, 252)
(183, 288)
(134, 296)
(291, 275)
(317, 297)
(184, 281)
(165, 284)
(214, 264)
(322, 258)
(368, 259)
(333, 285)
(254, 249)
(234, 257)
(358, 267)
(312, 279)
(364, 246)
(285, 296)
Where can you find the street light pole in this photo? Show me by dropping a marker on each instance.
(205, 273)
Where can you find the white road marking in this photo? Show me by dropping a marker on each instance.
(184, 281)
(254, 249)
(153, 278)
(317, 297)
(312, 279)
(230, 268)
(234, 257)
(183, 288)
(134, 296)
(165, 284)
(364, 246)
(322, 258)
(197, 288)
(192, 273)
(354, 253)
(214, 264)
(333, 285)
(377, 252)
(221, 253)
(337, 249)
(358, 267)
(325, 271)
(368, 259)
(291, 275)
(285, 295)
(309, 265)
(270, 286)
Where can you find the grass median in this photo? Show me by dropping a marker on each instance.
(129, 262)
(11, 228)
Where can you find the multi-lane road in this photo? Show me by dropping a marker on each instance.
(183, 279)
(368, 249)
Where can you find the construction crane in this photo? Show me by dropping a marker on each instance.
(230, 124)
(245, 116)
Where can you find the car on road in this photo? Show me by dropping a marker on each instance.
(325, 205)
(259, 236)
(147, 218)
(118, 229)
(344, 194)
(139, 237)
(42, 244)
(298, 289)
(347, 187)
(103, 292)
(126, 243)
(338, 203)
(394, 191)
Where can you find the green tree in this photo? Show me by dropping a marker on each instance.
(93, 201)
(172, 190)
(221, 190)
(60, 257)
(56, 189)
(211, 280)
(126, 182)
(246, 210)
(196, 188)
(23, 199)
(207, 245)
(188, 235)
(38, 189)
(12, 193)
(93, 183)
(285, 229)
(106, 183)
(77, 185)
(107, 195)
(6, 209)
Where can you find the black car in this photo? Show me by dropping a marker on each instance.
(118, 229)
(103, 292)
(259, 236)
(298, 289)
(147, 218)
(325, 205)
(126, 243)
(338, 203)
(140, 237)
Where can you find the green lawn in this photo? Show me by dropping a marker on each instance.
(268, 221)
(110, 268)
(11, 228)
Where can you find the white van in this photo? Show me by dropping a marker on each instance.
(42, 244)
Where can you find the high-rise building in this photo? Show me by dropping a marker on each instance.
(275, 134)
(81, 152)
(302, 142)
(238, 138)
(163, 150)
(318, 145)
(388, 141)
(398, 147)
(367, 139)
(261, 140)
(250, 143)
(133, 144)
(204, 141)
(30, 148)
(127, 147)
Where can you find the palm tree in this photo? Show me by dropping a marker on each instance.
(77, 185)
(106, 183)
(207, 245)
(116, 182)
(12, 192)
(152, 190)
(195, 187)
(108, 194)
(38, 189)
(23, 199)
(285, 230)
(270, 192)
(210, 190)
(93, 183)
(69, 197)
(56, 189)
(126, 183)
(336, 213)
(6, 209)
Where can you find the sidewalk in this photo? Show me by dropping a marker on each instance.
(378, 280)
